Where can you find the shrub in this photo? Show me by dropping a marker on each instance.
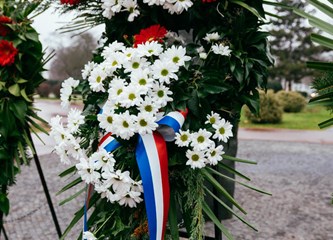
(291, 101)
(274, 85)
(270, 109)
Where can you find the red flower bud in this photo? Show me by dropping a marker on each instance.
(7, 53)
(4, 30)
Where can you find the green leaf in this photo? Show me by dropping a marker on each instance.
(238, 159)
(15, 90)
(320, 66)
(247, 7)
(219, 188)
(24, 95)
(173, 223)
(324, 41)
(316, 22)
(193, 104)
(70, 185)
(325, 8)
(216, 221)
(72, 197)
(32, 36)
(326, 123)
(4, 203)
(67, 171)
(22, 80)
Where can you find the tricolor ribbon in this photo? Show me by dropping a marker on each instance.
(152, 159)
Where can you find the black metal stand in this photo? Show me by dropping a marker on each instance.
(46, 191)
(4, 232)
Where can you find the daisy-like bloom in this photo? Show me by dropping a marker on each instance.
(113, 47)
(214, 154)
(154, 2)
(212, 37)
(120, 181)
(107, 10)
(106, 120)
(161, 94)
(103, 160)
(7, 53)
(131, 6)
(116, 87)
(135, 64)
(223, 130)
(164, 71)
(129, 52)
(145, 123)
(200, 139)
(213, 118)
(152, 33)
(142, 80)
(58, 132)
(87, 69)
(149, 105)
(130, 96)
(196, 159)
(87, 171)
(180, 5)
(124, 125)
(149, 49)
(183, 138)
(4, 30)
(220, 49)
(176, 55)
(75, 119)
(113, 62)
(88, 236)
(131, 198)
(96, 79)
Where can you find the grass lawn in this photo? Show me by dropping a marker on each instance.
(308, 119)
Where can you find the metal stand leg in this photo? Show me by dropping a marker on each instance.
(46, 191)
(4, 232)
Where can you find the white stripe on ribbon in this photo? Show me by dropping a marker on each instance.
(150, 146)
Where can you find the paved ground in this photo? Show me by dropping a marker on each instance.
(297, 168)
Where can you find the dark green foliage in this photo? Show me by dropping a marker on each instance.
(291, 101)
(270, 109)
(274, 85)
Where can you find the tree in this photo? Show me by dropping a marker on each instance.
(291, 44)
(70, 58)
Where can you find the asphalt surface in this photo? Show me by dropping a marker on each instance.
(296, 167)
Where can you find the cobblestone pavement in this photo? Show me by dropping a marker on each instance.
(299, 175)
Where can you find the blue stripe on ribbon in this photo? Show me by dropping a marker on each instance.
(147, 182)
(171, 122)
(114, 144)
(85, 222)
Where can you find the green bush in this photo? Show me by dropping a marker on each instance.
(274, 85)
(270, 109)
(291, 101)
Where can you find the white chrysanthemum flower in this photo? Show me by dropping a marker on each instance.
(87, 69)
(131, 198)
(164, 71)
(62, 153)
(176, 55)
(130, 52)
(213, 118)
(116, 87)
(196, 159)
(67, 90)
(214, 154)
(103, 160)
(148, 49)
(161, 94)
(131, 6)
(145, 123)
(149, 105)
(88, 236)
(154, 2)
(220, 49)
(87, 171)
(107, 10)
(212, 37)
(130, 96)
(96, 79)
(112, 48)
(112, 63)
(142, 80)
(106, 120)
(183, 138)
(180, 5)
(200, 140)
(135, 64)
(124, 125)
(223, 130)
(120, 181)
(75, 150)
(74, 120)
(137, 186)
(203, 55)
(102, 188)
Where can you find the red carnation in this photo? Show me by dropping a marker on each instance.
(7, 53)
(4, 30)
(152, 33)
(70, 2)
